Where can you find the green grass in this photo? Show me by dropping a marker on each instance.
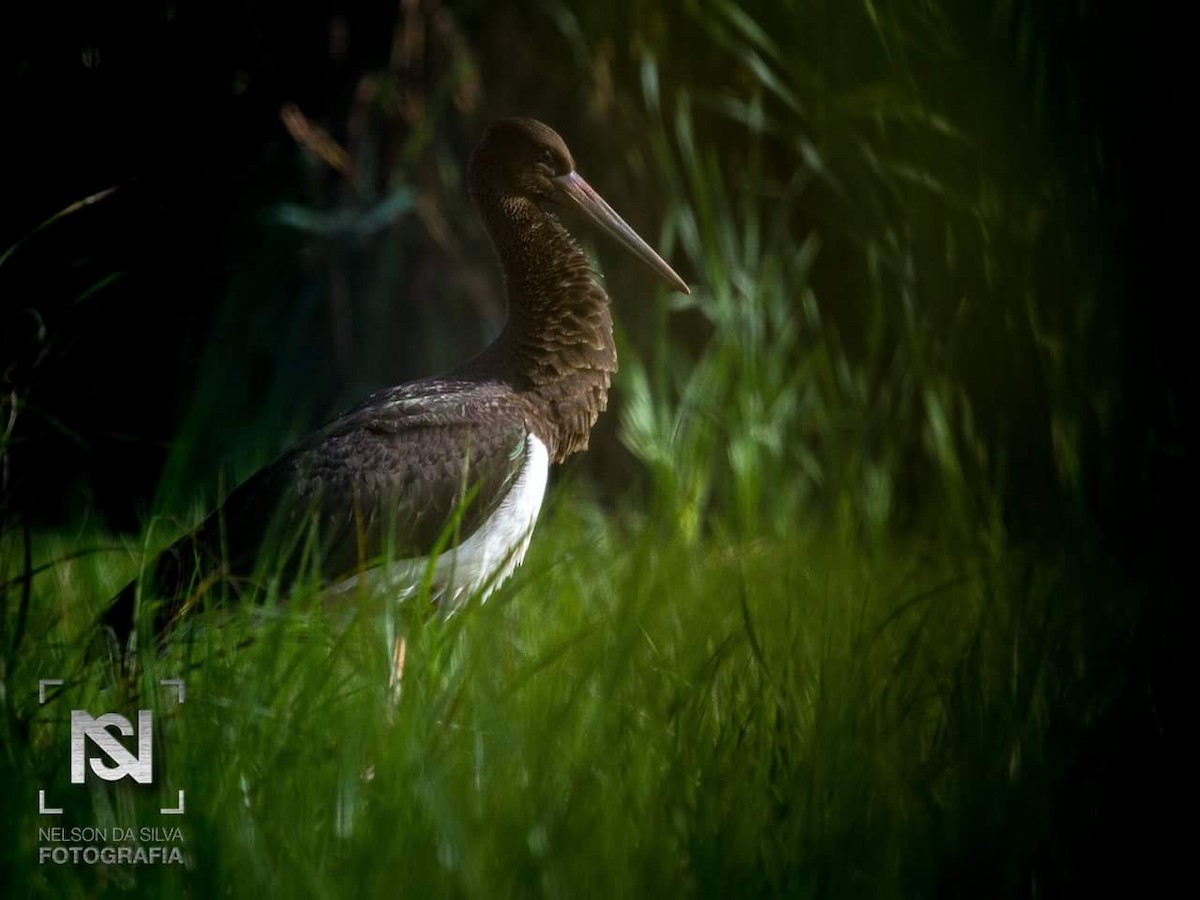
(638, 713)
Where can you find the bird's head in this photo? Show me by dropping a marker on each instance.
(524, 158)
(519, 157)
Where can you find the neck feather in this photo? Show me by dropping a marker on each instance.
(557, 343)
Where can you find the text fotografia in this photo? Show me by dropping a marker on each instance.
(111, 846)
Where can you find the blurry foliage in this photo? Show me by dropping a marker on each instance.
(28, 348)
(363, 276)
(902, 298)
(895, 255)
(895, 300)
(795, 717)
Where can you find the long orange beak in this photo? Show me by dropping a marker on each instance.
(573, 187)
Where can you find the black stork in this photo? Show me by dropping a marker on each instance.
(464, 455)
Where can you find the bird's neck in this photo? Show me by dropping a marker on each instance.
(557, 344)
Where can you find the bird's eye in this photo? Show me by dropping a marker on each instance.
(548, 157)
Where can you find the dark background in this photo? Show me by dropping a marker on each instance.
(177, 106)
(183, 311)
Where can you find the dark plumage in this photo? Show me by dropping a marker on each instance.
(385, 480)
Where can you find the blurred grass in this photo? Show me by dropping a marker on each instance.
(794, 716)
(845, 629)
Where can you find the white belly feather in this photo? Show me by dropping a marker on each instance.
(488, 556)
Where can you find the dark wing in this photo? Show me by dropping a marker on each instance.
(390, 484)
(388, 479)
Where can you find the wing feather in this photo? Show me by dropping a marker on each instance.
(389, 479)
